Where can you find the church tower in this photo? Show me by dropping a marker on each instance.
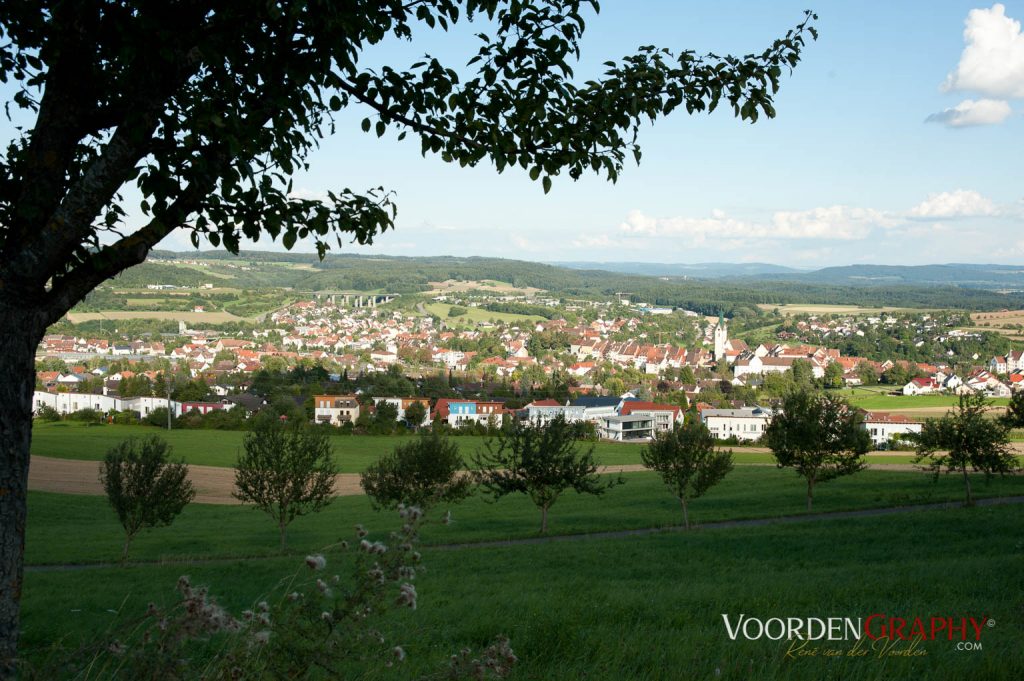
(721, 337)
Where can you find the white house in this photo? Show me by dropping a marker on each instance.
(335, 409)
(883, 427)
(631, 428)
(544, 411)
(748, 423)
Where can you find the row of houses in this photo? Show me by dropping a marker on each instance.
(69, 402)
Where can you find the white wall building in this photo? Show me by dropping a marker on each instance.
(883, 427)
(745, 424)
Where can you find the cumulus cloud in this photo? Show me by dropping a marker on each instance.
(972, 112)
(992, 62)
(832, 222)
(959, 203)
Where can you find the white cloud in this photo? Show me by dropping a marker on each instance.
(959, 203)
(308, 194)
(833, 223)
(970, 112)
(992, 62)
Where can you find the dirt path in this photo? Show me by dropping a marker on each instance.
(614, 534)
(214, 484)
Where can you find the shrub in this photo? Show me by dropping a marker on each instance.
(47, 413)
(422, 472)
(286, 470)
(144, 487)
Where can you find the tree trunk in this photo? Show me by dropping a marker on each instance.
(810, 493)
(282, 527)
(686, 516)
(967, 484)
(127, 544)
(543, 519)
(20, 333)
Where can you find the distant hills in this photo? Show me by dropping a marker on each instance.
(952, 274)
(707, 288)
(704, 270)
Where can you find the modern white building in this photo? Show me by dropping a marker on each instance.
(748, 423)
(631, 428)
(544, 411)
(66, 403)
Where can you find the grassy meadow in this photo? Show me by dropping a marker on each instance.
(73, 440)
(647, 607)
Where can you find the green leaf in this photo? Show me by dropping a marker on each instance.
(547, 184)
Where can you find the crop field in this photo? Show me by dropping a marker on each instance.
(801, 308)
(629, 607)
(452, 286)
(477, 314)
(189, 317)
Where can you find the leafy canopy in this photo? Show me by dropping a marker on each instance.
(144, 487)
(968, 439)
(820, 436)
(541, 461)
(207, 110)
(287, 469)
(421, 473)
(686, 459)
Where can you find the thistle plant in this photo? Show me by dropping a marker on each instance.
(316, 623)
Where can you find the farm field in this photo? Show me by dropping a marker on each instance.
(642, 607)
(453, 286)
(476, 314)
(182, 316)
(69, 440)
(801, 308)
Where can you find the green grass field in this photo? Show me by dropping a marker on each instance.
(71, 440)
(637, 607)
(81, 529)
(875, 397)
(477, 314)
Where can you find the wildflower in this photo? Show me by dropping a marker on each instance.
(360, 531)
(316, 562)
(398, 653)
(294, 596)
(326, 616)
(247, 615)
(263, 606)
(447, 519)
(151, 610)
(262, 637)
(117, 648)
(416, 556)
(344, 546)
(264, 619)
(364, 545)
(407, 596)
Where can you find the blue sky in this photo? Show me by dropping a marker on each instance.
(898, 140)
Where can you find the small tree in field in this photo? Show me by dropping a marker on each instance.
(415, 414)
(1014, 417)
(821, 437)
(541, 461)
(687, 462)
(145, 488)
(970, 440)
(423, 472)
(287, 470)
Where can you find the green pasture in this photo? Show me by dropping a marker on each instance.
(72, 440)
(82, 529)
(628, 608)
